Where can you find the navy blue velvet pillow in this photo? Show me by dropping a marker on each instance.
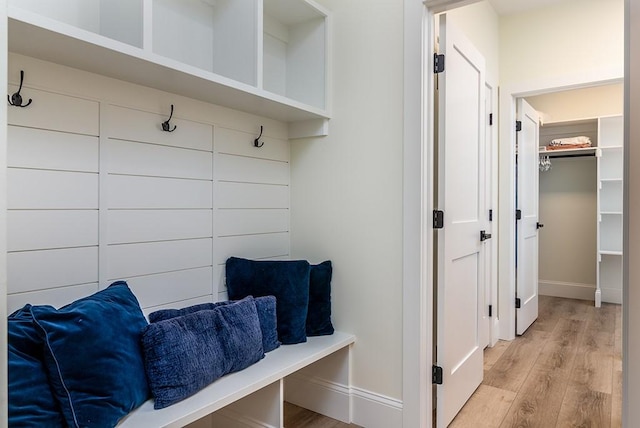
(288, 281)
(265, 305)
(319, 313)
(93, 356)
(186, 353)
(31, 402)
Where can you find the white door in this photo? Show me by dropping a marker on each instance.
(527, 226)
(461, 182)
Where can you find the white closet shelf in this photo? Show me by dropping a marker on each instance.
(610, 252)
(570, 152)
(43, 38)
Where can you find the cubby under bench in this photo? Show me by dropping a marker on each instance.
(255, 396)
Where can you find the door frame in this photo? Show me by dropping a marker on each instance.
(506, 164)
(418, 205)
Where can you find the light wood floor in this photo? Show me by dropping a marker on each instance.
(565, 371)
(297, 417)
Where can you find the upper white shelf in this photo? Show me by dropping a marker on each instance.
(571, 152)
(210, 50)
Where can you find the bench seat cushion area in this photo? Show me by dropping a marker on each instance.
(266, 307)
(93, 356)
(274, 367)
(186, 353)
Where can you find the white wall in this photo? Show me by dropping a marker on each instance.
(480, 23)
(347, 187)
(346, 194)
(584, 103)
(569, 38)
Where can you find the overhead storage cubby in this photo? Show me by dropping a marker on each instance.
(264, 57)
(214, 35)
(294, 51)
(119, 20)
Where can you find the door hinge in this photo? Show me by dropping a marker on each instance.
(490, 311)
(490, 215)
(490, 119)
(438, 219)
(436, 375)
(518, 215)
(518, 125)
(438, 63)
(517, 303)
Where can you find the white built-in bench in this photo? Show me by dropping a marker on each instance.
(257, 393)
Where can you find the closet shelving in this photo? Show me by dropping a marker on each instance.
(606, 134)
(265, 57)
(610, 169)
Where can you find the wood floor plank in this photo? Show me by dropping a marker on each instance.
(538, 403)
(575, 309)
(594, 362)
(549, 312)
(510, 371)
(616, 400)
(603, 319)
(491, 355)
(583, 408)
(559, 352)
(298, 417)
(485, 409)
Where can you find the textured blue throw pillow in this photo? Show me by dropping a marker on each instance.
(287, 280)
(319, 314)
(31, 402)
(186, 353)
(93, 356)
(266, 307)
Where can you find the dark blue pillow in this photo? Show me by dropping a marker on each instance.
(31, 402)
(265, 305)
(319, 313)
(187, 353)
(288, 281)
(93, 356)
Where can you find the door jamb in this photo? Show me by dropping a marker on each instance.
(418, 191)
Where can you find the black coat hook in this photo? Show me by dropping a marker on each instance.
(16, 99)
(256, 142)
(166, 126)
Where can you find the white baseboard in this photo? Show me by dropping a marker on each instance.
(321, 396)
(373, 410)
(355, 405)
(569, 290)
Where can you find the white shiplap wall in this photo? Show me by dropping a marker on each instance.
(98, 192)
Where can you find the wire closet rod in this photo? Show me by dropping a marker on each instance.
(577, 155)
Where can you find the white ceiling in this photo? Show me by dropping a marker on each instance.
(509, 7)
